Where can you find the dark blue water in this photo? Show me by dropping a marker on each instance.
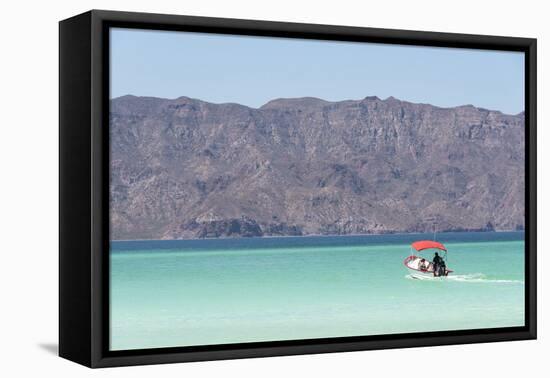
(309, 241)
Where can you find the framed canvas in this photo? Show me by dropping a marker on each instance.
(236, 188)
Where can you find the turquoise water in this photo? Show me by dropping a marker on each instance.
(200, 292)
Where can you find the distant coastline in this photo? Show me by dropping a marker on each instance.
(397, 234)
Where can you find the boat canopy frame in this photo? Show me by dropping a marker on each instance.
(423, 245)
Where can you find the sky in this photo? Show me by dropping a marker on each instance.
(254, 70)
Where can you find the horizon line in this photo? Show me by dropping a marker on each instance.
(321, 235)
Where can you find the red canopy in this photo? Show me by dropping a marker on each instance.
(426, 244)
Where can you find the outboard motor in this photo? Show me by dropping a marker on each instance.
(442, 270)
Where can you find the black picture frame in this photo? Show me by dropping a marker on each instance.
(84, 177)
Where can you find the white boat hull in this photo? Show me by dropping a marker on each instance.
(422, 276)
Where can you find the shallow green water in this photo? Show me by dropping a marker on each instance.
(180, 293)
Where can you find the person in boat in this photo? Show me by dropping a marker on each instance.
(437, 263)
(423, 265)
(443, 268)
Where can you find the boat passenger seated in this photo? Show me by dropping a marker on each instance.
(423, 265)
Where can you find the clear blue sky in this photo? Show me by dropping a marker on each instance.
(253, 70)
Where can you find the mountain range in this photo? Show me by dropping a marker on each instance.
(186, 168)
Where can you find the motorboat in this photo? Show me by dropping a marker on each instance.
(419, 262)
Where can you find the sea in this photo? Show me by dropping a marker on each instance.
(217, 291)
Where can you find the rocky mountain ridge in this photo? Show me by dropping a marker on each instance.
(186, 168)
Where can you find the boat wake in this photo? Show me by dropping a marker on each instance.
(473, 278)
